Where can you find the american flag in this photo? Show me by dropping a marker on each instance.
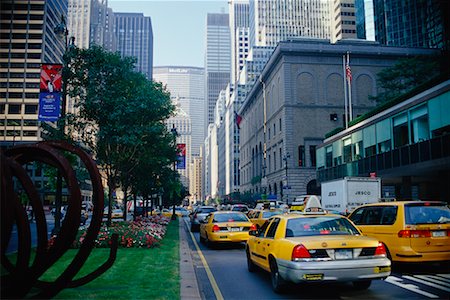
(348, 72)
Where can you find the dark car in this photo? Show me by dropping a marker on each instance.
(199, 215)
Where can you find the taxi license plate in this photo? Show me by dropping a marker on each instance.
(235, 229)
(382, 269)
(343, 254)
(312, 277)
(439, 233)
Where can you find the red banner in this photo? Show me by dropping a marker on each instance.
(51, 78)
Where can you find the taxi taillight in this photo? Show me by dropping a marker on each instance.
(300, 251)
(414, 233)
(215, 228)
(253, 227)
(381, 250)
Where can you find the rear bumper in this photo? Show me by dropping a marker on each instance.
(229, 237)
(412, 256)
(337, 270)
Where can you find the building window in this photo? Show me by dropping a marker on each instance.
(280, 125)
(419, 124)
(372, 150)
(400, 130)
(301, 156)
(30, 109)
(384, 146)
(14, 109)
(329, 157)
(312, 155)
(274, 160)
(274, 130)
(347, 150)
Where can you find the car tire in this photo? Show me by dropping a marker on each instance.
(250, 264)
(362, 285)
(202, 239)
(208, 242)
(278, 283)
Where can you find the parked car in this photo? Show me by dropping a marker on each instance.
(116, 213)
(315, 247)
(412, 231)
(198, 215)
(225, 227)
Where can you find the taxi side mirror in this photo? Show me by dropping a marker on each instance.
(253, 232)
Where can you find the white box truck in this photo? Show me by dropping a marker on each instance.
(344, 195)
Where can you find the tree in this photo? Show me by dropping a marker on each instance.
(405, 75)
(119, 112)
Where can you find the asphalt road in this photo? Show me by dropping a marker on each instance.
(230, 279)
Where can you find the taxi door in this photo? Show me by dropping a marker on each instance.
(268, 243)
(255, 248)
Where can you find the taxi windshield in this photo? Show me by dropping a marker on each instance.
(230, 217)
(320, 225)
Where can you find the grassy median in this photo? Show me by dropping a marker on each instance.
(137, 273)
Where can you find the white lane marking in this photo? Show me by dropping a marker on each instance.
(410, 287)
(440, 277)
(427, 281)
(444, 275)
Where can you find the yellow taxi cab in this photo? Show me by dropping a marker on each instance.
(258, 217)
(116, 213)
(315, 247)
(225, 226)
(411, 231)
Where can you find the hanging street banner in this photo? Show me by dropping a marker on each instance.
(50, 92)
(181, 159)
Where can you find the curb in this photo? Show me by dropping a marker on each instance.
(188, 279)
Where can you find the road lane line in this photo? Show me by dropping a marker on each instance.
(438, 279)
(444, 275)
(207, 269)
(426, 281)
(410, 287)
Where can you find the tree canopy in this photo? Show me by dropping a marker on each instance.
(119, 115)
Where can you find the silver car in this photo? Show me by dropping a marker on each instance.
(199, 215)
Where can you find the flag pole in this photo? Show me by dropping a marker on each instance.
(345, 92)
(349, 81)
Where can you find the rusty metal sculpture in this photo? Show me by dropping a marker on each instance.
(22, 277)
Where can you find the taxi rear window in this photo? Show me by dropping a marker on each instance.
(232, 217)
(427, 213)
(268, 214)
(324, 225)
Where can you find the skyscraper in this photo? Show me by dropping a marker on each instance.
(87, 21)
(134, 36)
(272, 21)
(414, 23)
(365, 23)
(343, 24)
(239, 29)
(217, 60)
(187, 89)
(28, 33)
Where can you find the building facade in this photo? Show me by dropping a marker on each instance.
(365, 22)
(298, 98)
(28, 40)
(343, 21)
(217, 60)
(239, 29)
(415, 23)
(407, 145)
(134, 37)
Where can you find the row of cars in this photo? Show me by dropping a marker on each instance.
(319, 246)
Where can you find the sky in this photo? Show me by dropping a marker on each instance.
(179, 27)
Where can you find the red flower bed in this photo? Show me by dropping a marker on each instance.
(142, 233)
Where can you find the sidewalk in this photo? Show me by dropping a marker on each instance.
(188, 283)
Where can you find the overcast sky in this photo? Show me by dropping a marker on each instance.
(179, 27)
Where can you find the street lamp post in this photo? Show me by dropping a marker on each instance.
(61, 31)
(175, 133)
(285, 159)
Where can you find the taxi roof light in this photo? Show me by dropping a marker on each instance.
(313, 206)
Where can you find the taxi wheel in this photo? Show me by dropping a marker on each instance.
(362, 285)
(202, 239)
(278, 283)
(208, 242)
(250, 265)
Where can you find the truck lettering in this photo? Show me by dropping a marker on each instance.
(330, 194)
(332, 205)
(362, 193)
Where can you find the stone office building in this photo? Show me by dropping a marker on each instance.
(298, 98)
